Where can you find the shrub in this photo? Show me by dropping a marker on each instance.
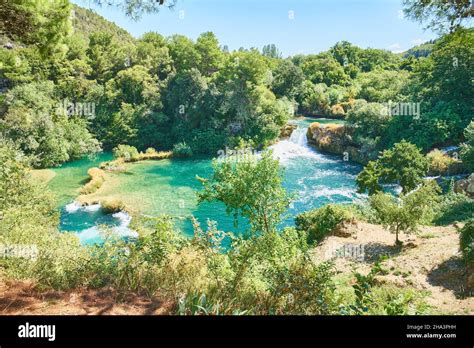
(127, 152)
(453, 207)
(466, 241)
(440, 163)
(374, 299)
(97, 178)
(320, 222)
(182, 150)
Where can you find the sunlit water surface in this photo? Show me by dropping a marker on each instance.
(168, 187)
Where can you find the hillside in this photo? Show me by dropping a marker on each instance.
(86, 22)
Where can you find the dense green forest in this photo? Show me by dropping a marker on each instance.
(157, 92)
(74, 84)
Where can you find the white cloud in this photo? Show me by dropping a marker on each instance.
(418, 41)
(395, 48)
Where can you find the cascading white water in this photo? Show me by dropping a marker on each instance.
(296, 146)
(298, 136)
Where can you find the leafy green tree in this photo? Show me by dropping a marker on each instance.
(368, 120)
(45, 24)
(403, 164)
(133, 86)
(382, 85)
(324, 68)
(184, 53)
(35, 122)
(187, 100)
(442, 15)
(211, 57)
(344, 52)
(403, 214)
(287, 79)
(250, 187)
(372, 58)
(153, 53)
(466, 241)
(271, 51)
(105, 55)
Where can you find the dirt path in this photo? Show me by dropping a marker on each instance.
(430, 261)
(19, 298)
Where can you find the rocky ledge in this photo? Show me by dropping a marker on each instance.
(287, 130)
(335, 139)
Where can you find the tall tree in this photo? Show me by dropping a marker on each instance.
(250, 187)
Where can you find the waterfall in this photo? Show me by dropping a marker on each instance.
(296, 146)
(298, 136)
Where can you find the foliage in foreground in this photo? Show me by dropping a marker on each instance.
(268, 273)
(318, 223)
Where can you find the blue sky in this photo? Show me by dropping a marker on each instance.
(294, 26)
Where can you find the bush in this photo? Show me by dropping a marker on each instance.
(453, 207)
(466, 241)
(440, 163)
(127, 152)
(320, 222)
(182, 150)
(96, 180)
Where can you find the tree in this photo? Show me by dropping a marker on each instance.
(466, 242)
(136, 8)
(324, 68)
(373, 58)
(467, 150)
(250, 187)
(105, 55)
(17, 191)
(442, 15)
(382, 85)
(403, 214)
(211, 57)
(133, 86)
(271, 51)
(287, 79)
(184, 53)
(369, 120)
(41, 129)
(153, 53)
(43, 23)
(403, 164)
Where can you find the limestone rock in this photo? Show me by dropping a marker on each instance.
(287, 130)
(335, 139)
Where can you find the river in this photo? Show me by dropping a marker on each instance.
(169, 187)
